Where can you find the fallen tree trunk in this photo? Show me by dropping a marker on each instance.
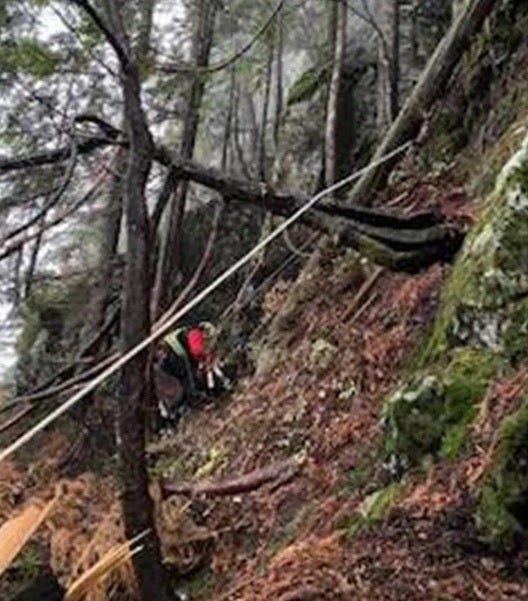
(431, 83)
(279, 473)
(399, 243)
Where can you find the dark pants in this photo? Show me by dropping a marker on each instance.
(181, 368)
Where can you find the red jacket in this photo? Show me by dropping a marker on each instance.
(196, 343)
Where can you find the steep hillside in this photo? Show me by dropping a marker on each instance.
(397, 404)
(381, 455)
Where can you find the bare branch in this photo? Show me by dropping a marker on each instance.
(52, 157)
(406, 243)
(64, 387)
(280, 473)
(19, 243)
(15, 419)
(112, 39)
(229, 61)
(52, 201)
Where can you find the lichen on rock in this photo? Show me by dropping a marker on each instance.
(481, 325)
(482, 303)
(480, 333)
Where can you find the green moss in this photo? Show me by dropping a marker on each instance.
(503, 495)
(480, 303)
(429, 414)
(453, 440)
(28, 564)
(412, 420)
(516, 332)
(199, 585)
(166, 466)
(466, 379)
(306, 85)
(374, 508)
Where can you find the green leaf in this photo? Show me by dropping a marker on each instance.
(27, 55)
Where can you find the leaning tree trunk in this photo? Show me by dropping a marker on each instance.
(400, 243)
(431, 83)
(135, 326)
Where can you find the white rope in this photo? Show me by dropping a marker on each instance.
(45, 422)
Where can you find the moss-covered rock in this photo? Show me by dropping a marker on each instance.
(480, 331)
(503, 496)
(429, 414)
(375, 508)
(484, 303)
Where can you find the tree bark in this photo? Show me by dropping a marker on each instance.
(262, 149)
(137, 504)
(331, 152)
(432, 82)
(170, 255)
(395, 61)
(279, 92)
(400, 243)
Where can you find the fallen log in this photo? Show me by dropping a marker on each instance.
(401, 243)
(279, 473)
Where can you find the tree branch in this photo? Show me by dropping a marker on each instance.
(16, 244)
(15, 419)
(112, 39)
(406, 243)
(52, 201)
(280, 473)
(232, 59)
(52, 157)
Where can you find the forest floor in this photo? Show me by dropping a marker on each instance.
(333, 528)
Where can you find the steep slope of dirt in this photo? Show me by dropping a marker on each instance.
(334, 527)
(335, 524)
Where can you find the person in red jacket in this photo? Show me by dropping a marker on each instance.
(195, 345)
(182, 371)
